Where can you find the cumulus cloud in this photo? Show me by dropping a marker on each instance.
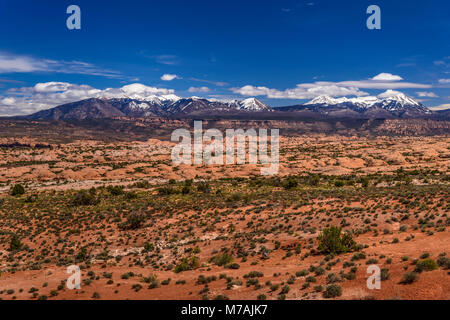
(388, 94)
(169, 77)
(386, 77)
(440, 107)
(199, 89)
(11, 63)
(426, 94)
(27, 100)
(301, 91)
(383, 81)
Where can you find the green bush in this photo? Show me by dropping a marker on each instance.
(385, 274)
(134, 221)
(187, 264)
(426, 265)
(332, 241)
(203, 187)
(409, 278)
(290, 183)
(115, 190)
(15, 244)
(222, 259)
(444, 262)
(339, 183)
(84, 198)
(332, 291)
(17, 190)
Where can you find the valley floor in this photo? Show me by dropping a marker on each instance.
(141, 228)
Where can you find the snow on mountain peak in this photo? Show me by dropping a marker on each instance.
(390, 99)
(252, 104)
(322, 99)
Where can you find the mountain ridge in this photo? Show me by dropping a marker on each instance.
(394, 106)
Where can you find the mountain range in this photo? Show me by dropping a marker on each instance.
(395, 106)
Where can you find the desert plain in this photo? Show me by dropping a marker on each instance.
(140, 227)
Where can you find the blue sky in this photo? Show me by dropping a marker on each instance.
(283, 52)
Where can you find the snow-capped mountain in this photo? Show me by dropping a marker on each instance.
(397, 104)
(402, 102)
(362, 102)
(253, 104)
(386, 106)
(149, 106)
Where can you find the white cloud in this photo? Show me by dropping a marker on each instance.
(7, 101)
(386, 77)
(444, 80)
(388, 94)
(11, 63)
(426, 94)
(302, 91)
(169, 77)
(382, 81)
(383, 85)
(199, 89)
(440, 107)
(27, 100)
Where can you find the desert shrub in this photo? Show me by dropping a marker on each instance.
(302, 273)
(318, 288)
(142, 184)
(187, 264)
(274, 287)
(82, 255)
(426, 265)
(15, 244)
(165, 191)
(222, 259)
(332, 241)
(232, 266)
(203, 187)
(332, 291)
(285, 289)
(186, 190)
(254, 274)
(365, 182)
(333, 278)
(372, 261)
(339, 183)
(444, 262)
(17, 190)
(358, 256)
(424, 255)
(319, 271)
(134, 221)
(384, 274)
(115, 190)
(409, 278)
(290, 183)
(84, 198)
(131, 195)
(152, 280)
(149, 246)
(261, 297)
